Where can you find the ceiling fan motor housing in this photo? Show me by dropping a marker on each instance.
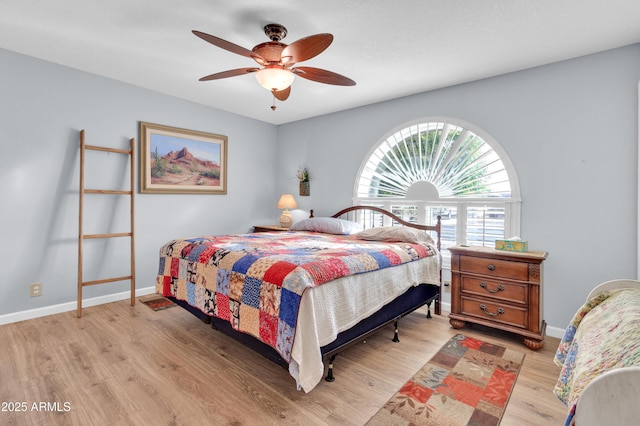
(275, 32)
(270, 52)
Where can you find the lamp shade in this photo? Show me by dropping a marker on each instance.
(287, 202)
(275, 78)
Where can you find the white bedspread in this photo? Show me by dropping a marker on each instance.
(338, 305)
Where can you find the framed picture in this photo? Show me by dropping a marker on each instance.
(174, 160)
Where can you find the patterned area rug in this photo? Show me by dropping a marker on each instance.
(468, 382)
(156, 302)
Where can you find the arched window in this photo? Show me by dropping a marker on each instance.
(447, 168)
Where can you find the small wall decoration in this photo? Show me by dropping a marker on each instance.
(303, 178)
(174, 160)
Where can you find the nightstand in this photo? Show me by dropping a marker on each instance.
(499, 289)
(269, 228)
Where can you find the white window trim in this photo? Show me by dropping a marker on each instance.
(512, 205)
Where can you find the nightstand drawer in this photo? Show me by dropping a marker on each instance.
(496, 312)
(495, 267)
(512, 292)
(269, 228)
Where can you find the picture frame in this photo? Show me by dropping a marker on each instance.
(181, 161)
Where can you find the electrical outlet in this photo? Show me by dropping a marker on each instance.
(35, 290)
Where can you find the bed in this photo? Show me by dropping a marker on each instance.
(599, 356)
(301, 297)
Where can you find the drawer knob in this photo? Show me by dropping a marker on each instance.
(484, 285)
(493, 314)
(491, 267)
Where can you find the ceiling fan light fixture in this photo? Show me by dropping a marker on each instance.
(277, 59)
(275, 78)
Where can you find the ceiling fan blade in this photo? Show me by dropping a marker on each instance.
(306, 48)
(323, 76)
(226, 45)
(230, 73)
(282, 95)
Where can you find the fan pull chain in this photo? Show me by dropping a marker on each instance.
(274, 107)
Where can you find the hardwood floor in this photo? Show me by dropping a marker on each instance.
(123, 365)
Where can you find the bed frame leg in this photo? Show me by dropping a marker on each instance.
(330, 377)
(395, 332)
(429, 310)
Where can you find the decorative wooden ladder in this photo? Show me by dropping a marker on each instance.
(82, 236)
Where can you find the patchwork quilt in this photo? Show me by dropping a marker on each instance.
(597, 340)
(256, 281)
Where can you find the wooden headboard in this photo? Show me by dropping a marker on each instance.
(437, 227)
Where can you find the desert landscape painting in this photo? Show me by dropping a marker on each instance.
(173, 162)
(182, 167)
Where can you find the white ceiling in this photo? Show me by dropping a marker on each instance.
(390, 48)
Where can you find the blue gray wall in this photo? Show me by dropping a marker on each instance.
(571, 131)
(42, 109)
(570, 128)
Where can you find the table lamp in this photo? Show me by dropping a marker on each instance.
(286, 202)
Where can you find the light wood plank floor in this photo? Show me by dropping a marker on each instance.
(123, 365)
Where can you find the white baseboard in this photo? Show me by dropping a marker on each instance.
(71, 306)
(555, 332)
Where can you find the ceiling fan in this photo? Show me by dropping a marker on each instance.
(277, 60)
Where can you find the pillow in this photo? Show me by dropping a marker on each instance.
(395, 233)
(328, 225)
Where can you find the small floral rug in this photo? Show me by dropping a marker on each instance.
(468, 382)
(156, 302)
